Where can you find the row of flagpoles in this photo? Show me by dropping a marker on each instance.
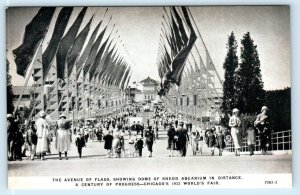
(189, 79)
(84, 69)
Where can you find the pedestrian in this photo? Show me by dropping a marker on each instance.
(235, 124)
(116, 141)
(18, 143)
(122, 140)
(176, 123)
(80, 143)
(131, 143)
(86, 135)
(220, 141)
(182, 139)
(156, 132)
(62, 137)
(211, 140)
(12, 127)
(194, 142)
(42, 130)
(201, 140)
(251, 139)
(263, 124)
(149, 135)
(171, 140)
(139, 146)
(31, 140)
(108, 139)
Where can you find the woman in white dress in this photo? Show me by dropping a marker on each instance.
(63, 142)
(235, 124)
(42, 130)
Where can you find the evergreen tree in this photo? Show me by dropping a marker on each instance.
(249, 92)
(230, 65)
(9, 91)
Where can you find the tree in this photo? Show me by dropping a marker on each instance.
(230, 65)
(9, 91)
(279, 103)
(249, 92)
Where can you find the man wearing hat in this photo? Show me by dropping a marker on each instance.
(62, 137)
(262, 123)
(42, 129)
(235, 124)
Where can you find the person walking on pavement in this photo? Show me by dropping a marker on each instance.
(12, 127)
(194, 142)
(263, 124)
(31, 140)
(251, 139)
(220, 141)
(235, 124)
(42, 133)
(131, 143)
(211, 140)
(182, 139)
(139, 146)
(108, 138)
(149, 135)
(171, 140)
(62, 137)
(80, 143)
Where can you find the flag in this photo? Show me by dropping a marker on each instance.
(67, 42)
(179, 60)
(35, 31)
(180, 26)
(87, 50)
(125, 77)
(93, 53)
(98, 57)
(74, 52)
(59, 29)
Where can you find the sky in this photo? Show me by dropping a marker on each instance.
(140, 27)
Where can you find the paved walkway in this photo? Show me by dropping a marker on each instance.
(95, 163)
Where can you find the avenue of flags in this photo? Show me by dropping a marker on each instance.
(188, 76)
(83, 70)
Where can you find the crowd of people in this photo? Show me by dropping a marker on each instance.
(122, 139)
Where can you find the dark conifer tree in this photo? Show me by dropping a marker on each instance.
(230, 65)
(249, 92)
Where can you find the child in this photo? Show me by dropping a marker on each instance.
(139, 146)
(80, 143)
(251, 139)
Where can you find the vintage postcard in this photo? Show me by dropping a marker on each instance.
(148, 97)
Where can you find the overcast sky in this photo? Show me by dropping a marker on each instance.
(140, 27)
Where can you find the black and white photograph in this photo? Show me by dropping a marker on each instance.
(163, 97)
